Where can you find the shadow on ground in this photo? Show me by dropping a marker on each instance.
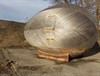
(92, 51)
(85, 58)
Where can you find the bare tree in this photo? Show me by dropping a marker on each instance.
(56, 2)
(90, 5)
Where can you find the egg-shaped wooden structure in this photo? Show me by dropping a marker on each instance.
(61, 30)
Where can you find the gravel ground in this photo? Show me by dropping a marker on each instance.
(28, 64)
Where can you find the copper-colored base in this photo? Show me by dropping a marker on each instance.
(59, 58)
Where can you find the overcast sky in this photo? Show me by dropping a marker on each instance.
(19, 10)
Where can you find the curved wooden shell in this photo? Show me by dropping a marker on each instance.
(62, 29)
